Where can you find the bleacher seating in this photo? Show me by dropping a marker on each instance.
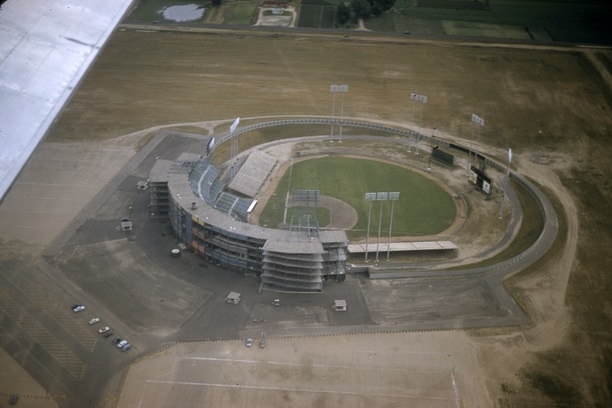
(205, 183)
(253, 173)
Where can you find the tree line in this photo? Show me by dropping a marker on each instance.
(353, 10)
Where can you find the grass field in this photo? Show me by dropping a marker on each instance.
(423, 208)
(317, 14)
(572, 21)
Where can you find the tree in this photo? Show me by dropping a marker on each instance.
(362, 8)
(343, 14)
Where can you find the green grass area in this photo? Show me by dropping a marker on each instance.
(423, 208)
(317, 16)
(239, 13)
(560, 20)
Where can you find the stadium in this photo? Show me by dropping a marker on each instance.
(209, 208)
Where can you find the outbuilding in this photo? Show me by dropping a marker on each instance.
(233, 297)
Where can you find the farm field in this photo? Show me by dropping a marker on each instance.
(501, 19)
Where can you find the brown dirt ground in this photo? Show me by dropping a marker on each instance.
(551, 105)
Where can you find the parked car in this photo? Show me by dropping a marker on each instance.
(78, 308)
(262, 343)
(249, 342)
(122, 343)
(94, 320)
(107, 334)
(117, 340)
(104, 330)
(126, 347)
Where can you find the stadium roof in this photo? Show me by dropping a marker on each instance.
(46, 47)
(402, 246)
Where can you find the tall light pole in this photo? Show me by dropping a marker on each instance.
(382, 196)
(234, 146)
(415, 97)
(334, 89)
(393, 196)
(369, 197)
(480, 121)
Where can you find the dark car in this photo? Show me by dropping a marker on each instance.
(117, 340)
(107, 334)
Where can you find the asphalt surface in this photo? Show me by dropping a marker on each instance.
(152, 299)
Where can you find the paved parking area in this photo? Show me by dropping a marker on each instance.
(369, 370)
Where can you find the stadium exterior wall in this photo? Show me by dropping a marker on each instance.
(282, 261)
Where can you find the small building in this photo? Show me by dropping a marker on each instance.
(126, 225)
(233, 297)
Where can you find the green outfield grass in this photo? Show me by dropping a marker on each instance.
(423, 208)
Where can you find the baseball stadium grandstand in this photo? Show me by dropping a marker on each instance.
(209, 209)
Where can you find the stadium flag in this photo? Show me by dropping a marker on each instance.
(234, 125)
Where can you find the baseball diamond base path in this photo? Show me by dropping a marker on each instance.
(341, 214)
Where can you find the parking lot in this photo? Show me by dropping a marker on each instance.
(361, 371)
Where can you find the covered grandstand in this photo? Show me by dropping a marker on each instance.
(209, 213)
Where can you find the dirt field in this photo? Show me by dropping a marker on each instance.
(551, 105)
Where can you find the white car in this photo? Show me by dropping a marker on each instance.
(78, 308)
(122, 343)
(94, 320)
(249, 342)
(104, 330)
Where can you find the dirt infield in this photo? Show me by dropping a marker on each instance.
(342, 215)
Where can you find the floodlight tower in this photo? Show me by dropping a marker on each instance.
(480, 121)
(393, 196)
(334, 89)
(381, 196)
(369, 197)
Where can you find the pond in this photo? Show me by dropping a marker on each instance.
(188, 12)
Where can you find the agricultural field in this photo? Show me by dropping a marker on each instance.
(317, 14)
(501, 19)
